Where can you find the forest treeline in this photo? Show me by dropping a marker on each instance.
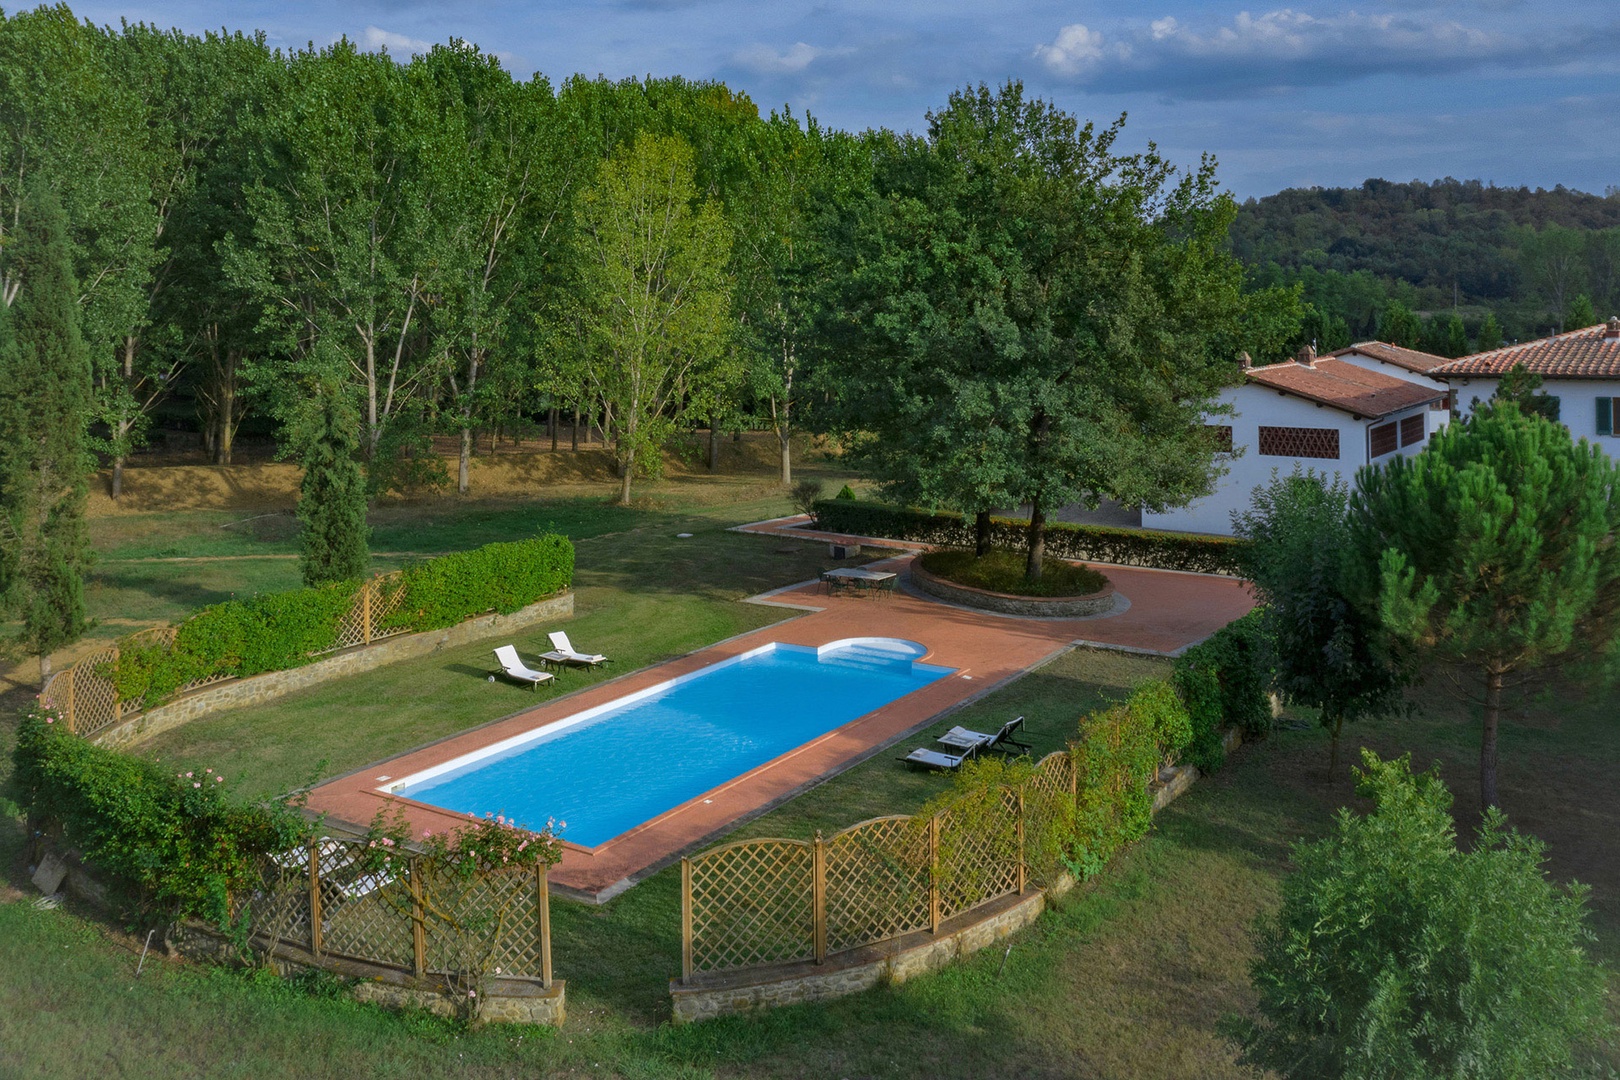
(300, 243)
(1443, 264)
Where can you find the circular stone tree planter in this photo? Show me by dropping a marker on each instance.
(1052, 607)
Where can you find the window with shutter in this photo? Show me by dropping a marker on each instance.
(1605, 416)
(1383, 440)
(1412, 430)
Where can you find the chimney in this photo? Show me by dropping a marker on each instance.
(1245, 361)
(1306, 356)
(1611, 329)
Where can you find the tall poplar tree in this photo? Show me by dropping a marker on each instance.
(45, 401)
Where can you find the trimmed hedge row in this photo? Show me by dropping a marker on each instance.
(277, 631)
(496, 577)
(1085, 543)
(1224, 682)
(177, 839)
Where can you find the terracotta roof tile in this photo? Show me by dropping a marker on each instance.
(1344, 386)
(1590, 353)
(1410, 359)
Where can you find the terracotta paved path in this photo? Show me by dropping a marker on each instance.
(1167, 612)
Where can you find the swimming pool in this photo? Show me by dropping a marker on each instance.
(608, 769)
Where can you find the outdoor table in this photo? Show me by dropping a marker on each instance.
(859, 578)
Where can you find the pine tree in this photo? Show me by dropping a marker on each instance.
(1399, 325)
(44, 406)
(1456, 336)
(332, 498)
(1580, 314)
(1490, 333)
(1491, 553)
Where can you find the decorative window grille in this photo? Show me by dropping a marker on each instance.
(1299, 442)
(1412, 430)
(1221, 436)
(1383, 440)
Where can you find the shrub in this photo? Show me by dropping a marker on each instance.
(1160, 707)
(176, 839)
(1394, 954)
(277, 631)
(804, 496)
(1081, 543)
(496, 577)
(1115, 757)
(846, 493)
(1235, 655)
(1200, 690)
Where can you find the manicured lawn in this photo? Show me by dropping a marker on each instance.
(1136, 975)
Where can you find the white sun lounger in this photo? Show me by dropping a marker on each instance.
(960, 738)
(515, 668)
(933, 759)
(563, 652)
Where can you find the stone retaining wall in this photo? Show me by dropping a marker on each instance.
(892, 961)
(1060, 607)
(258, 689)
(509, 1001)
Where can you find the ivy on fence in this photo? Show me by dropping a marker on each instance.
(1085, 543)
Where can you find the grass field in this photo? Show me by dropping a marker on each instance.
(1138, 974)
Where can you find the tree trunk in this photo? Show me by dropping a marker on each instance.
(552, 420)
(627, 467)
(573, 431)
(981, 534)
(1037, 541)
(785, 437)
(118, 477)
(714, 442)
(1333, 747)
(464, 464)
(1487, 745)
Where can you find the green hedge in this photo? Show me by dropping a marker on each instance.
(497, 577)
(1225, 682)
(176, 840)
(277, 631)
(1085, 543)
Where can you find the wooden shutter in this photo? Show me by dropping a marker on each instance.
(1383, 439)
(1605, 416)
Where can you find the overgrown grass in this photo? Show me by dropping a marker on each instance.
(1000, 570)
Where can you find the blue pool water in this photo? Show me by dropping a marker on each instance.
(612, 768)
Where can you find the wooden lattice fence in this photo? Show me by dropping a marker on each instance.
(773, 901)
(335, 899)
(87, 699)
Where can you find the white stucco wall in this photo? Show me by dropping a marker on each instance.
(1577, 404)
(1254, 406)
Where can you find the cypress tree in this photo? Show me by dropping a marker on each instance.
(332, 498)
(1490, 333)
(44, 466)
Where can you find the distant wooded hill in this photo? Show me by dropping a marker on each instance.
(1367, 257)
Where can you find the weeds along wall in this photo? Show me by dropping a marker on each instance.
(277, 631)
(1086, 543)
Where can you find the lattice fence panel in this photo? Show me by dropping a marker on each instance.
(752, 904)
(487, 923)
(978, 855)
(365, 910)
(278, 910)
(353, 628)
(877, 882)
(95, 700)
(1048, 806)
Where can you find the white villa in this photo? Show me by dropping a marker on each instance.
(1332, 413)
(1581, 369)
(1360, 405)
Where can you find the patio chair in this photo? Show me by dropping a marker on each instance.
(934, 760)
(563, 652)
(514, 668)
(960, 738)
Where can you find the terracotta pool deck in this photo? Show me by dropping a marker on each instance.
(1165, 612)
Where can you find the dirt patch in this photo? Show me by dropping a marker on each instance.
(517, 470)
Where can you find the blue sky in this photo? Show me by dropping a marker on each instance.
(1330, 93)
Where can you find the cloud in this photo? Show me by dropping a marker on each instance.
(764, 60)
(1284, 48)
(377, 39)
